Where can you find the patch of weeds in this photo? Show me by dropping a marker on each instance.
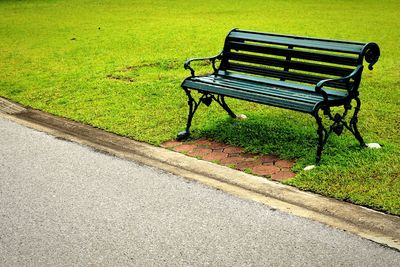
(247, 170)
(120, 78)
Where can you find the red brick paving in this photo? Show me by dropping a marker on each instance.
(248, 164)
(282, 175)
(171, 144)
(236, 155)
(265, 170)
(269, 158)
(249, 155)
(230, 160)
(284, 163)
(263, 165)
(233, 150)
(216, 145)
(199, 152)
(185, 148)
(204, 142)
(215, 156)
(217, 149)
(268, 163)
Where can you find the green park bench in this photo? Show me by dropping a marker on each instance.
(309, 75)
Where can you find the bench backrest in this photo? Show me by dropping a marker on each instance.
(294, 58)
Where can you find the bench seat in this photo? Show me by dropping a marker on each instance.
(277, 93)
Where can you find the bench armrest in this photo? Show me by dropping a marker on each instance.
(353, 75)
(212, 59)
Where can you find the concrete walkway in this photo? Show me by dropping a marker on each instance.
(370, 224)
(64, 204)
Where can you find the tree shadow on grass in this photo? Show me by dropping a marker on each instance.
(289, 137)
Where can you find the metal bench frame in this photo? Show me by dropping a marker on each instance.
(258, 48)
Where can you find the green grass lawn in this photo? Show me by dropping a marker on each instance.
(117, 65)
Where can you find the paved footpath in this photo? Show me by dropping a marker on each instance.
(62, 204)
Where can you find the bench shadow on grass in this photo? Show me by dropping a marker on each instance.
(289, 137)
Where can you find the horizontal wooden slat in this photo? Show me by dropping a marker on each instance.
(301, 37)
(307, 55)
(268, 91)
(299, 77)
(281, 92)
(289, 64)
(298, 42)
(275, 83)
(249, 96)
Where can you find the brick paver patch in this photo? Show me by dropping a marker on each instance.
(215, 156)
(265, 170)
(247, 164)
(263, 165)
(284, 163)
(231, 160)
(283, 175)
(185, 148)
(171, 144)
(199, 152)
(233, 150)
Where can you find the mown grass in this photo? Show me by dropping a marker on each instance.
(117, 65)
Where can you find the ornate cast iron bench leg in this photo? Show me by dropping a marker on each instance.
(322, 136)
(193, 105)
(337, 126)
(221, 100)
(353, 123)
